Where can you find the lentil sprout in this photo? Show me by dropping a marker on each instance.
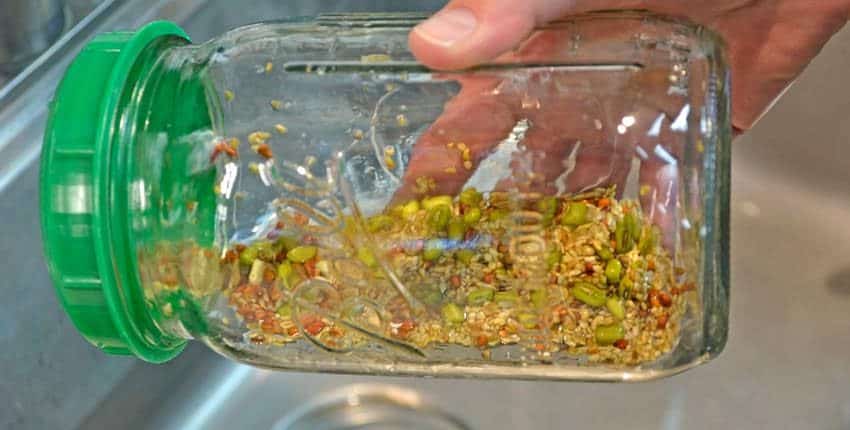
(601, 288)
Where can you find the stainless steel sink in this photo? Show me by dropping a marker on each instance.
(787, 364)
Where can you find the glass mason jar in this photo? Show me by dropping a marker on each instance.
(305, 195)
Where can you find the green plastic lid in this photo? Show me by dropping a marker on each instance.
(79, 235)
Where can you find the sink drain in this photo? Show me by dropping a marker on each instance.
(369, 407)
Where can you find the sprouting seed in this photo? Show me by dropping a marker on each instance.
(233, 142)
(310, 160)
(467, 165)
(401, 120)
(357, 133)
(228, 95)
(465, 154)
(269, 67)
(450, 145)
(280, 128)
(276, 104)
(261, 135)
(223, 147)
(613, 271)
(700, 147)
(389, 151)
(264, 150)
(254, 168)
(644, 190)
(389, 162)
(450, 170)
(462, 146)
(258, 137)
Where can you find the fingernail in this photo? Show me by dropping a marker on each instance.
(448, 26)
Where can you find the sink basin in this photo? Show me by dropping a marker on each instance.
(787, 363)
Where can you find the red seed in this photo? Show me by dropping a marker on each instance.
(265, 151)
(313, 326)
(222, 147)
(622, 344)
(482, 340)
(455, 280)
(229, 150)
(652, 298)
(662, 321)
(489, 278)
(665, 299)
(405, 328)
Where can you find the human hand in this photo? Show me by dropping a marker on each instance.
(770, 42)
(768, 48)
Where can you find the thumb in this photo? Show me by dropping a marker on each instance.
(467, 32)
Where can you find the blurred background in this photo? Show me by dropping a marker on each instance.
(787, 364)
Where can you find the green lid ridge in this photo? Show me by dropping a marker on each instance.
(87, 244)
